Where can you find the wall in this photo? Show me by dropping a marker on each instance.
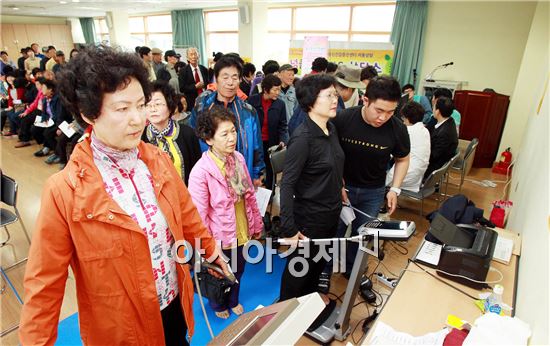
(530, 187)
(485, 40)
(17, 36)
(32, 20)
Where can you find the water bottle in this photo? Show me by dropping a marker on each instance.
(494, 302)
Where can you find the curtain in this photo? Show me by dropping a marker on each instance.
(188, 31)
(88, 29)
(407, 36)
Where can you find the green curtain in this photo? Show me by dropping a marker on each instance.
(188, 31)
(88, 29)
(407, 36)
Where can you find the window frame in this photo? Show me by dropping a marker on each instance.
(207, 32)
(349, 32)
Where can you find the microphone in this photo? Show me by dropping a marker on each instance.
(447, 64)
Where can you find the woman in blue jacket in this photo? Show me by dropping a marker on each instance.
(272, 115)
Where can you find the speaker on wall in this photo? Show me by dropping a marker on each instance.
(244, 14)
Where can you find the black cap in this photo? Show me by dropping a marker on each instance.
(171, 52)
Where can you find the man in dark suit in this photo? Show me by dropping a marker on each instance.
(193, 78)
(444, 139)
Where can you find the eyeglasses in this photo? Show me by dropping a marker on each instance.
(330, 96)
(155, 105)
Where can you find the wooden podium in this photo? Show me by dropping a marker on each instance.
(483, 117)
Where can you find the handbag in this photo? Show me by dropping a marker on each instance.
(216, 290)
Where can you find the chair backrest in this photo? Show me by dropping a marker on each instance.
(469, 156)
(454, 158)
(9, 190)
(435, 177)
(277, 159)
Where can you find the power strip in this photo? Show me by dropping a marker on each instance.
(391, 283)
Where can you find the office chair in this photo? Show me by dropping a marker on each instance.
(428, 187)
(463, 166)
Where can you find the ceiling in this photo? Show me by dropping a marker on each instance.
(93, 8)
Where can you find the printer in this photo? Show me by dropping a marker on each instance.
(467, 250)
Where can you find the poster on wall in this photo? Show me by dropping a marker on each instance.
(313, 47)
(358, 54)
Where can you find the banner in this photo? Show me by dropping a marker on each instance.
(314, 47)
(360, 55)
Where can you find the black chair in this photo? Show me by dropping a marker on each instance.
(7, 217)
(277, 159)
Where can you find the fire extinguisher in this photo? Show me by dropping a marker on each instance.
(503, 164)
(506, 157)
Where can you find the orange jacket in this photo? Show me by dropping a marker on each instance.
(81, 226)
(240, 94)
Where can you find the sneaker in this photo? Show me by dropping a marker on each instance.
(22, 144)
(53, 159)
(42, 152)
(8, 134)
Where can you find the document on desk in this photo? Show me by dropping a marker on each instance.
(503, 250)
(383, 334)
(262, 198)
(429, 253)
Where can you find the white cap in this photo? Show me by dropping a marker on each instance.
(498, 289)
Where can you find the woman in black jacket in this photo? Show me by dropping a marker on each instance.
(272, 116)
(174, 137)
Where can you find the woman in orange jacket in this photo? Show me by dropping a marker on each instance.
(116, 214)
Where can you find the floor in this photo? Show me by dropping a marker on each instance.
(31, 172)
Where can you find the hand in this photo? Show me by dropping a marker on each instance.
(221, 263)
(392, 201)
(9, 108)
(257, 182)
(257, 236)
(295, 238)
(199, 85)
(345, 198)
(22, 115)
(58, 132)
(282, 145)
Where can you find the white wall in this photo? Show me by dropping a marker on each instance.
(530, 188)
(485, 40)
(76, 30)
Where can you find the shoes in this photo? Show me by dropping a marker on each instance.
(324, 283)
(42, 152)
(8, 134)
(22, 144)
(53, 159)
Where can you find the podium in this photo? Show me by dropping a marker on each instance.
(430, 86)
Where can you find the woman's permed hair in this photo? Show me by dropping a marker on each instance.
(308, 89)
(95, 71)
(209, 119)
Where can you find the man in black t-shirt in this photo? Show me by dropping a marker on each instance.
(370, 135)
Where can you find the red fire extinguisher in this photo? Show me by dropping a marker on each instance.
(503, 165)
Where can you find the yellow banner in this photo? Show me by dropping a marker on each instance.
(361, 58)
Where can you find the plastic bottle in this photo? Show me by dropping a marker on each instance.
(494, 302)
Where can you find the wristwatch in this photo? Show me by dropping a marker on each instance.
(396, 190)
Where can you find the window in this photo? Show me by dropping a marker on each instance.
(101, 30)
(154, 31)
(355, 23)
(222, 31)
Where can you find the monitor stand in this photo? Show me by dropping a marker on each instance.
(337, 325)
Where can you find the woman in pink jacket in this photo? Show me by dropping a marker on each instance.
(223, 193)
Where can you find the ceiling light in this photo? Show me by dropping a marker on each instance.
(63, 2)
(76, 0)
(15, 8)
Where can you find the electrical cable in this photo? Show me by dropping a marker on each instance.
(200, 299)
(443, 281)
(395, 246)
(355, 328)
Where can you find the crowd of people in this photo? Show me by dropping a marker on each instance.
(119, 205)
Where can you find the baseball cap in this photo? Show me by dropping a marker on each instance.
(59, 53)
(171, 52)
(286, 67)
(156, 51)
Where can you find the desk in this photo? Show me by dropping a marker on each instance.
(419, 304)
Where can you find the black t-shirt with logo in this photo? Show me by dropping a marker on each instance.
(368, 148)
